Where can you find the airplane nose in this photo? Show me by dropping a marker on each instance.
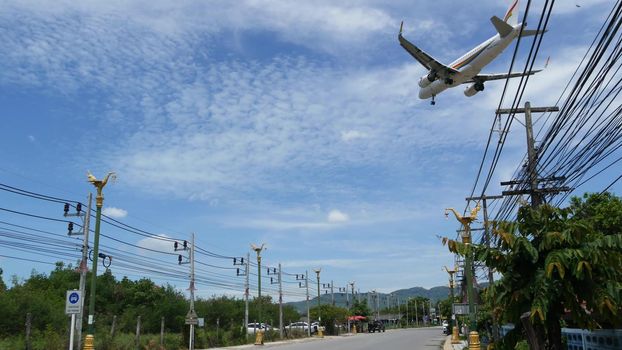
(424, 94)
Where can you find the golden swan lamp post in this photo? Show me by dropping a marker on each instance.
(466, 239)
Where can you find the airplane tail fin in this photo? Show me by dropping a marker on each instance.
(511, 16)
(502, 28)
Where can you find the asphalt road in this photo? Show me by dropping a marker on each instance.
(400, 339)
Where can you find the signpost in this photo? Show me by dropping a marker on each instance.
(462, 309)
(73, 306)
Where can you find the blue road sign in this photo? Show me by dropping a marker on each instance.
(74, 297)
(73, 303)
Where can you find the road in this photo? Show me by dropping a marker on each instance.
(400, 339)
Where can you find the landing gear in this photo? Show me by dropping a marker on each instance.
(449, 81)
(433, 102)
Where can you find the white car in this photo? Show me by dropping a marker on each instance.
(298, 326)
(252, 328)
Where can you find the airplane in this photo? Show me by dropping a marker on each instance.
(466, 69)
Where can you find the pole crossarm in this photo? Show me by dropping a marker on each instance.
(523, 110)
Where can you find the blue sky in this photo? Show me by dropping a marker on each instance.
(290, 123)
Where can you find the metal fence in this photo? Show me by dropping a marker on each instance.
(580, 339)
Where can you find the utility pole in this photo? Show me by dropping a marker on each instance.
(280, 302)
(319, 304)
(326, 287)
(246, 291)
(399, 311)
(246, 274)
(487, 240)
(89, 341)
(305, 277)
(416, 315)
(259, 334)
(332, 291)
(308, 309)
(192, 313)
(534, 191)
(280, 296)
(191, 316)
(83, 263)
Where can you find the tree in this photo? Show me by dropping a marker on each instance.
(360, 308)
(556, 262)
(331, 315)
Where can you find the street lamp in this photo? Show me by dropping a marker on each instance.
(259, 335)
(466, 239)
(319, 304)
(89, 341)
(455, 339)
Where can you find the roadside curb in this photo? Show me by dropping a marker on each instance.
(275, 343)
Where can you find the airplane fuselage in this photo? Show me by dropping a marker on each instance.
(470, 64)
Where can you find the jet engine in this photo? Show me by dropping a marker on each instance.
(473, 89)
(424, 81)
(427, 79)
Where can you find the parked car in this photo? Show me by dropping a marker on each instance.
(255, 327)
(375, 326)
(298, 326)
(446, 329)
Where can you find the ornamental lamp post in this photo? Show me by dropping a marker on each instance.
(466, 239)
(89, 341)
(259, 334)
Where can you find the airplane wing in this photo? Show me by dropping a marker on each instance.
(426, 60)
(499, 76)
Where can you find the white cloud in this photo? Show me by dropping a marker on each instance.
(337, 216)
(162, 244)
(31, 138)
(116, 213)
(350, 135)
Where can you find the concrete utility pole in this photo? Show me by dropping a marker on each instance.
(319, 304)
(192, 313)
(487, 240)
(191, 316)
(536, 193)
(332, 291)
(246, 291)
(89, 341)
(83, 263)
(259, 334)
(416, 315)
(280, 303)
(399, 311)
(308, 314)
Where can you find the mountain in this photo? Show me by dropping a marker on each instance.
(434, 293)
